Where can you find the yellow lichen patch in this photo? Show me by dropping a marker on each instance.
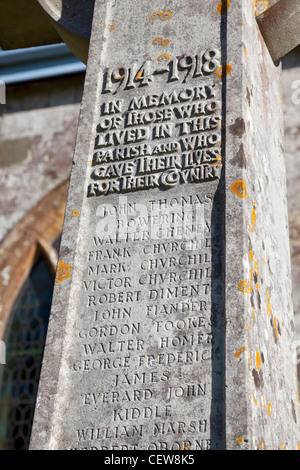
(75, 213)
(155, 16)
(275, 323)
(139, 74)
(163, 58)
(222, 145)
(246, 53)
(270, 409)
(259, 7)
(224, 70)
(239, 352)
(166, 15)
(240, 440)
(253, 220)
(269, 308)
(258, 360)
(223, 6)
(219, 161)
(282, 446)
(184, 448)
(239, 188)
(263, 402)
(262, 446)
(158, 15)
(160, 42)
(251, 255)
(253, 271)
(245, 287)
(63, 271)
(110, 26)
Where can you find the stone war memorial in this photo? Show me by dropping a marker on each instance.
(172, 320)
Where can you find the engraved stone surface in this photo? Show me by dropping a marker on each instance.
(171, 325)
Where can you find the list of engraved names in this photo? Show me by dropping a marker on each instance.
(144, 340)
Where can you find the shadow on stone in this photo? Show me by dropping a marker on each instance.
(218, 434)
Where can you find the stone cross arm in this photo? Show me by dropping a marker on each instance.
(24, 26)
(71, 21)
(33, 23)
(280, 27)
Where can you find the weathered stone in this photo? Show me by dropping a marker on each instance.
(25, 25)
(172, 322)
(73, 22)
(45, 22)
(13, 152)
(291, 107)
(280, 27)
(30, 165)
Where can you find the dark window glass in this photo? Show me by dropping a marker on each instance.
(25, 340)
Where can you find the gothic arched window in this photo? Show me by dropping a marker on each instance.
(25, 340)
(28, 258)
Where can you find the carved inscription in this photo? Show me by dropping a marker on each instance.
(147, 317)
(144, 343)
(158, 140)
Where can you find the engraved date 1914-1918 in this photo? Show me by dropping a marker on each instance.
(182, 68)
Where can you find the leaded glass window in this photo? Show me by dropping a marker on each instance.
(25, 339)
